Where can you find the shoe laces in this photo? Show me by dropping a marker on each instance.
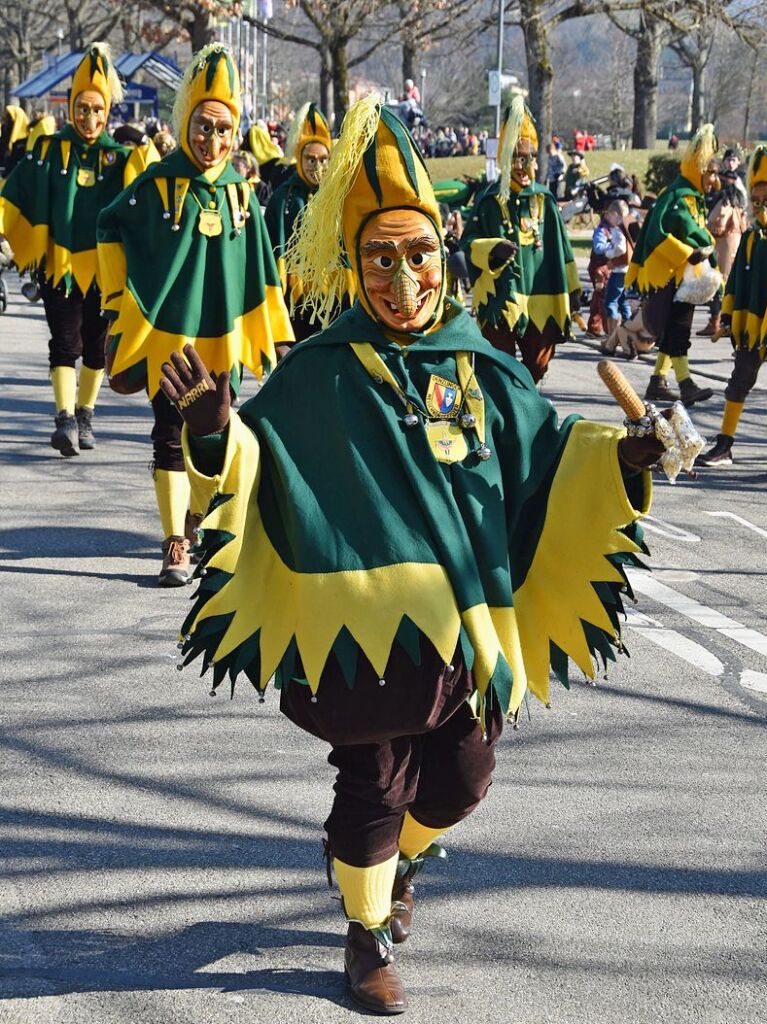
(176, 551)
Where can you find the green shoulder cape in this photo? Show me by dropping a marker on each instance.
(745, 295)
(165, 284)
(333, 528)
(49, 214)
(540, 285)
(674, 227)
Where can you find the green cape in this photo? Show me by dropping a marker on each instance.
(164, 288)
(675, 226)
(333, 528)
(540, 285)
(745, 295)
(50, 220)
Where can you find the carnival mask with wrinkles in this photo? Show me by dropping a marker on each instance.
(211, 133)
(759, 203)
(401, 266)
(90, 114)
(523, 163)
(314, 162)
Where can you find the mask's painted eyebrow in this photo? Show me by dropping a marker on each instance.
(422, 242)
(376, 244)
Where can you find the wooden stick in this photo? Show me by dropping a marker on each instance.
(621, 390)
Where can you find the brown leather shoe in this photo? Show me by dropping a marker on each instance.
(191, 532)
(176, 567)
(370, 973)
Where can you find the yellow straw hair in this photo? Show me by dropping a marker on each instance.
(291, 143)
(700, 150)
(511, 132)
(315, 251)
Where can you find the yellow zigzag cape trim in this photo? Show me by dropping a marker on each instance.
(587, 506)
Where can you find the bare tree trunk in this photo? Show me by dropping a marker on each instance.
(540, 74)
(649, 47)
(340, 71)
(749, 97)
(409, 53)
(202, 30)
(698, 110)
(326, 83)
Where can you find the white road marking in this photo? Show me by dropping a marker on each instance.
(753, 681)
(698, 612)
(738, 519)
(667, 530)
(678, 644)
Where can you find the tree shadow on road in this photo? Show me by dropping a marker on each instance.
(63, 961)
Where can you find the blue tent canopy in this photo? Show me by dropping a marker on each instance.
(45, 81)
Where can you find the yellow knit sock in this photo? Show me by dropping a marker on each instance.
(731, 417)
(88, 389)
(415, 837)
(662, 364)
(64, 381)
(681, 368)
(172, 490)
(367, 891)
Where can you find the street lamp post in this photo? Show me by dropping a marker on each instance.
(500, 70)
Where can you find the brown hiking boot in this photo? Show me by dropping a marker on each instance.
(84, 417)
(64, 438)
(370, 973)
(691, 393)
(176, 566)
(191, 528)
(659, 391)
(713, 325)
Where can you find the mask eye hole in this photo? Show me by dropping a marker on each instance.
(384, 262)
(418, 260)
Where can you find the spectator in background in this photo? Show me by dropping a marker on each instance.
(726, 221)
(612, 242)
(575, 175)
(164, 142)
(731, 167)
(412, 92)
(555, 170)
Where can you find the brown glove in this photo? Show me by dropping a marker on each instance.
(697, 256)
(204, 403)
(635, 453)
(502, 253)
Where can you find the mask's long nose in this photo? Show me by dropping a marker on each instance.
(406, 287)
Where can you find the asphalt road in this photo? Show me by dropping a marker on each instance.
(160, 851)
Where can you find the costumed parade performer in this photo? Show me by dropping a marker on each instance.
(271, 168)
(14, 134)
(408, 576)
(744, 313)
(525, 285)
(308, 144)
(48, 211)
(673, 246)
(185, 259)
